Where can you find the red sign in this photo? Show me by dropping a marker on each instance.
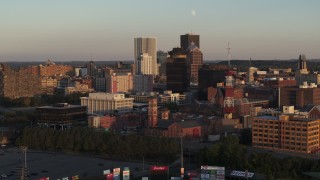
(109, 177)
(159, 168)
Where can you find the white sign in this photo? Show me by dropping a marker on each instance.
(212, 172)
(106, 172)
(242, 174)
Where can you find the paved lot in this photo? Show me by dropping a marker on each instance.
(45, 164)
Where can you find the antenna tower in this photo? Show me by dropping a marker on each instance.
(228, 48)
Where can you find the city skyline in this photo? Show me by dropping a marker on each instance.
(102, 30)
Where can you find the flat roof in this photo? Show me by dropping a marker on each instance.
(53, 107)
(268, 117)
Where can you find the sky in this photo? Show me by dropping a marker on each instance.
(103, 30)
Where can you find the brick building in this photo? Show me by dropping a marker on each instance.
(105, 122)
(286, 133)
(176, 129)
(299, 97)
(17, 83)
(52, 69)
(210, 76)
(152, 112)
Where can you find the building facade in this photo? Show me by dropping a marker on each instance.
(187, 39)
(210, 76)
(149, 46)
(60, 115)
(119, 83)
(152, 112)
(144, 64)
(286, 133)
(177, 71)
(78, 88)
(195, 61)
(18, 83)
(104, 103)
(162, 58)
(299, 96)
(143, 83)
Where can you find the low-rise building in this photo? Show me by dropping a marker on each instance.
(60, 115)
(105, 103)
(105, 122)
(176, 129)
(286, 132)
(78, 88)
(169, 97)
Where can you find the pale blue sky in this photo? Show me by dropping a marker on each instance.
(35, 30)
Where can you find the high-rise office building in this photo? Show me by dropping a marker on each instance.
(144, 64)
(149, 46)
(162, 58)
(210, 76)
(195, 61)
(187, 39)
(177, 71)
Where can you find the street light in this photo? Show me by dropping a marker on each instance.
(24, 150)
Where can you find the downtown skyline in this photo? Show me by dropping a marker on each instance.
(105, 30)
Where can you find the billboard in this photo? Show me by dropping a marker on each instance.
(212, 173)
(242, 174)
(159, 172)
(159, 168)
(116, 173)
(126, 173)
(106, 172)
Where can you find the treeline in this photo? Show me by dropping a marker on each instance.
(232, 155)
(41, 100)
(243, 65)
(104, 143)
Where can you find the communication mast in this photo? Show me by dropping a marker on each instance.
(229, 57)
(229, 90)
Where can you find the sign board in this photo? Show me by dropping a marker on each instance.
(159, 168)
(126, 173)
(116, 173)
(106, 172)
(175, 178)
(109, 176)
(212, 173)
(145, 178)
(242, 174)
(44, 178)
(75, 177)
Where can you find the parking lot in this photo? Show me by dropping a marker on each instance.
(58, 165)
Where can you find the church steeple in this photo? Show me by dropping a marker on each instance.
(302, 64)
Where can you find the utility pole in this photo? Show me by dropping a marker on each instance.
(182, 169)
(143, 162)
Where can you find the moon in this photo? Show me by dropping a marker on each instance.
(193, 12)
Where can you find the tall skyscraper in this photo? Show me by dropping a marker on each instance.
(195, 61)
(162, 58)
(144, 64)
(146, 46)
(187, 39)
(178, 79)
